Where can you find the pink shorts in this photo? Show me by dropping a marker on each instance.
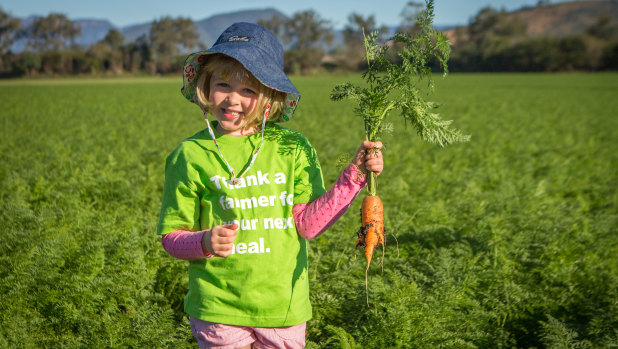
(220, 336)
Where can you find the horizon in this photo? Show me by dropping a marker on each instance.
(386, 12)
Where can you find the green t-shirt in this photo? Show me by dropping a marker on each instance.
(264, 282)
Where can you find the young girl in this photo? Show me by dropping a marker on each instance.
(242, 196)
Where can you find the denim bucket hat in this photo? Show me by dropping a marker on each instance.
(258, 50)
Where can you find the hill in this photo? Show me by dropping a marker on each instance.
(565, 18)
(209, 28)
(93, 30)
(556, 20)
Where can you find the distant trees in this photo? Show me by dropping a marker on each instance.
(605, 28)
(494, 40)
(138, 55)
(480, 45)
(114, 39)
(52, 32)
(50, 48)
(278, 26)
(50, 36)
(107, 54)
(167, 37)
(8, 30)
(354, 50)
(408, 16)
(305, 36)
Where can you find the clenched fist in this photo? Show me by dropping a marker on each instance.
(368, 157)
(219, 241)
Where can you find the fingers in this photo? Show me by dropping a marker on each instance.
(230, 226)
(371, 145)
(371, 157)
(222, 239)
(374, 164)
(367, 149)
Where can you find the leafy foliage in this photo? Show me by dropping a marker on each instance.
(52, 32)
(498, 41)
(393, 86)
(8, 30)
(304, 35)
(167, 34)
(508, 241)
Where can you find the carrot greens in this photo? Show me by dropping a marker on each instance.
(391, 85)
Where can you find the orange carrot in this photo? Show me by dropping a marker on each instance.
(371, 232)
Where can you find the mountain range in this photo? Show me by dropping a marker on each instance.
(558, 19)
(93, 30)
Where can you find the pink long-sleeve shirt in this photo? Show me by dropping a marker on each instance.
(311, 219)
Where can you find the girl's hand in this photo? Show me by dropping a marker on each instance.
(219, 241)
(369, 157)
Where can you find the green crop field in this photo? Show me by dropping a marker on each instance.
(510, 240)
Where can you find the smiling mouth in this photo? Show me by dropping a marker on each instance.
(230, 115)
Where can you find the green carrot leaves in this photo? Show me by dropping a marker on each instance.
(391, 83)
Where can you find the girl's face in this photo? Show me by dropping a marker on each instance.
(232, 100)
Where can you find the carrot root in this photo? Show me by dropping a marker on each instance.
(367, 284)
(371, 232)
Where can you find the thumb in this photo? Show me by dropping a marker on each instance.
(372, 145)
(231, 226)
(360, 154)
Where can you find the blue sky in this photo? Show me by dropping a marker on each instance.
(126, 12)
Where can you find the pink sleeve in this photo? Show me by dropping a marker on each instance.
(185, 245)
(314, 218)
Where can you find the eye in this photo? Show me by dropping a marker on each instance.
(249, 91)
(222, 84)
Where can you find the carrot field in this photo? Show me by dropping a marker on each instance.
(507, 241)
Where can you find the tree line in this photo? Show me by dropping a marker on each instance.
(50, 48)
(492, 41)
(495, 41)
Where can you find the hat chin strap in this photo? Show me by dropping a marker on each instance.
(236, 180)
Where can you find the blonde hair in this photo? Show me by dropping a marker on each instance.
(230, 68)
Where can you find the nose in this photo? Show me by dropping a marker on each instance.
(233, 98)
